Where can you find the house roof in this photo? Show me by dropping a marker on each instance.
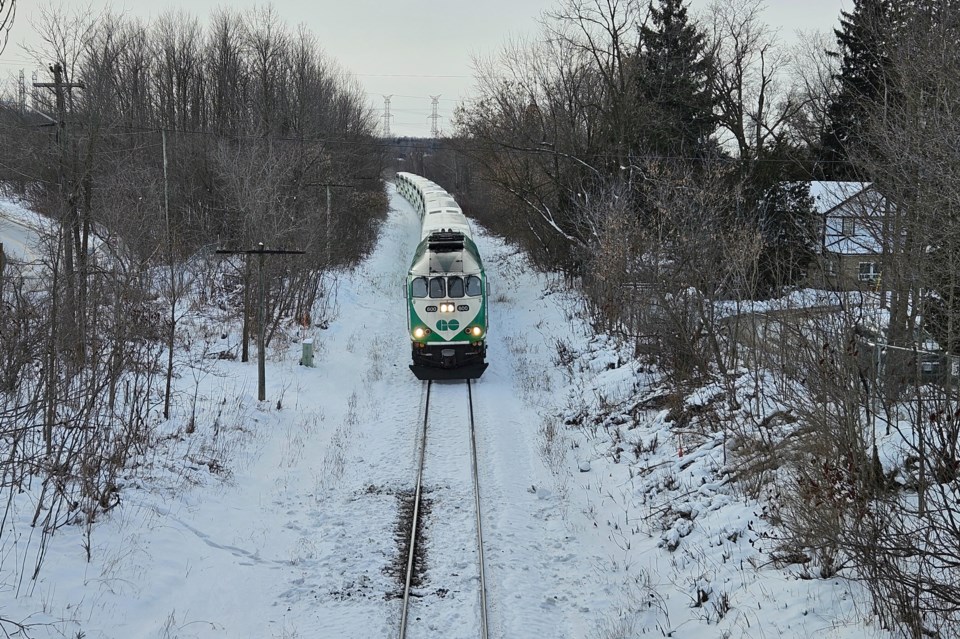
(829, 195)
(857, 203)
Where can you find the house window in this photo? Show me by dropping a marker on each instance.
(849, 227)
(869, 271)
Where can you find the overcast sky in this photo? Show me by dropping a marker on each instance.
(410, 49)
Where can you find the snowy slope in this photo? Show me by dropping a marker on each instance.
(19, 232)
(278, 519)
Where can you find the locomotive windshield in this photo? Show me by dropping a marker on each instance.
(474, 286)
(437, 287)
(418, 288)
(455, 286)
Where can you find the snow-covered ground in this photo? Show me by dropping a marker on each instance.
(19, 231)
(279, 518)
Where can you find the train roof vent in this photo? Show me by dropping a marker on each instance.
(445, 241)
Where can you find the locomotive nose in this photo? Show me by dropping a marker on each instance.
(448, 358)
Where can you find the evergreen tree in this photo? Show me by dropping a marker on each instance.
(675, 79)
(866, 39)
(788, 226)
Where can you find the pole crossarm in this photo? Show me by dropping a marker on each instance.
(331, 184)
(259, 251)
(262, 251)
(55, 85)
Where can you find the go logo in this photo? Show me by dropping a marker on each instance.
(448, 325)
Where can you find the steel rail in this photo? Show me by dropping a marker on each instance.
(416, 517)
(476, 501)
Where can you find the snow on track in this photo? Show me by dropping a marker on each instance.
(447, 603)
(278, 519)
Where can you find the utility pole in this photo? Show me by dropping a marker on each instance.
(260, 251)
(386, 115)
(326, 249)
(329, 220)
(59, 87)
(434, 116)
(173, 278)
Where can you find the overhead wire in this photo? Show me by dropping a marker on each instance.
(392, 142)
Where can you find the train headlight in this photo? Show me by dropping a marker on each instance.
(419, 332)
(476, 331)
(446, 308)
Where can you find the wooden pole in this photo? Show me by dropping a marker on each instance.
(327, 244)
(261, 360)
(261, 252)
(171, 336)
(245, 348)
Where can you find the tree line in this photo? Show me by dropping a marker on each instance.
(661, 162)
(150, 145)
(658, 161)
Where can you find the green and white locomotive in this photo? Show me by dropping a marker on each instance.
(446, 287)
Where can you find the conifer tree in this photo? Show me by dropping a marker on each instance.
(865, 41)
(675, 79)
(787, 223)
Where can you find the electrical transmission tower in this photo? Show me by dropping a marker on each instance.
(21, 93)
(386, 115)
(434, 116)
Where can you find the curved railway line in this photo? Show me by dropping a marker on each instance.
(422, 464)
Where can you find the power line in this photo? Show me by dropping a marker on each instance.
(405, 75)
(471, 146)
(424, 97)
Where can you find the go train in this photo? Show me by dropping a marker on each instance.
(446, 287)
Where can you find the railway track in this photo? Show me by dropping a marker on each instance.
(440, 467)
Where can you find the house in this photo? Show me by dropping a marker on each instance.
(851, 227)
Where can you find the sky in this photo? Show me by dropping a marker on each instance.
(410, 50)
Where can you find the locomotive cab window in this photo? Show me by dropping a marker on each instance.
(474, 286)
(455, 286)
(437, 287)
(418, 288)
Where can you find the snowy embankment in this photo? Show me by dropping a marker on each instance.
(19, 229)
(279, 518)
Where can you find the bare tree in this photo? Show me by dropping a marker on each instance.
(891, 519)
(755, 105)
(8, 11)
(234, 102)
(536, 130)
(814, 71)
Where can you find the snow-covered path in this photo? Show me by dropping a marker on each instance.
(280, 518)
